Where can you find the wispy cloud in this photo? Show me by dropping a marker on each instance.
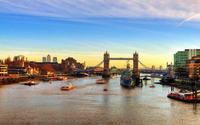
(167, 9)
(194, 17)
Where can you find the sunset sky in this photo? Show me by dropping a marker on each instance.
(85, 29)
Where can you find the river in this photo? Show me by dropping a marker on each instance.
(88, 104)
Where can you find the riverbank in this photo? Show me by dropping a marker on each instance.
(19, 79)
(13, 80)
(181, 84)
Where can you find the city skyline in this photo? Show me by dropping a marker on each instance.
(99, 62)
(65, 28)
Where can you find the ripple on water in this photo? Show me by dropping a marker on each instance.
(89, 104)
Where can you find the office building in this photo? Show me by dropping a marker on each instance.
(193, 66)
(44, 59)
(181, 57)
(3, 70)
(160, 68)
(48, 58)
(55, 59)
(18, 61)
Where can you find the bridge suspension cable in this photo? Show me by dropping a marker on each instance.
(99, 64)
(143, 65)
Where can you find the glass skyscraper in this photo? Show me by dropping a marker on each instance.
(181, 57)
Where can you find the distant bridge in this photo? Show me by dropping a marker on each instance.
(106, 63)
(150, 71)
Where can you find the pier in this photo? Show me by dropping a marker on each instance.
(11, 80)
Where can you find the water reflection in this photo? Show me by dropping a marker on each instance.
(90, 104)
(145, 82)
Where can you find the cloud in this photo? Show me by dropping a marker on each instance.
(194, 17)
(73, 9)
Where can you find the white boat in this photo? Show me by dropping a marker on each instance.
(68, 87)
(101, 81)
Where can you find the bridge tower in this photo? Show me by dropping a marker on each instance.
(136, 74)
(106, 72)
(135, 64)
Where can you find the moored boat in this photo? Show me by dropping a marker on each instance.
(152, 86)
(61, 78)
(185, 96)
(128, 83)
(80, 75)
(126, 79)
(30, 83)
(146, 78)
(46, 79)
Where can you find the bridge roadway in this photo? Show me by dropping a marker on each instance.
(153, 71)
(121, 58)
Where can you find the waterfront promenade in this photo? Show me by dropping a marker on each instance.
(13, 79)
(89, 105)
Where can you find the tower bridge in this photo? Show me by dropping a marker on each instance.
(107, 59)
(135, 60)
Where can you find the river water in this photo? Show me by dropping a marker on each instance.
(88, 104)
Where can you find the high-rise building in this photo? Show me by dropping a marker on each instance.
(48, 58)
(170, 71)
(18, 61)
(160, 68)
(55, 59)
(181, 57)
(153, 67)
(19, 58)
(3, 70)
(193, 66)
(44, 59)
(1, 61)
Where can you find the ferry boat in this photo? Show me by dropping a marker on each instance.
(126, 79)
(185, 96)
(167, 80)
(152, 86)
(80, 75)
(68, 87)
(101, 81)
(146, 78)
(45, 79)
(30, 83)
(58, 78)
